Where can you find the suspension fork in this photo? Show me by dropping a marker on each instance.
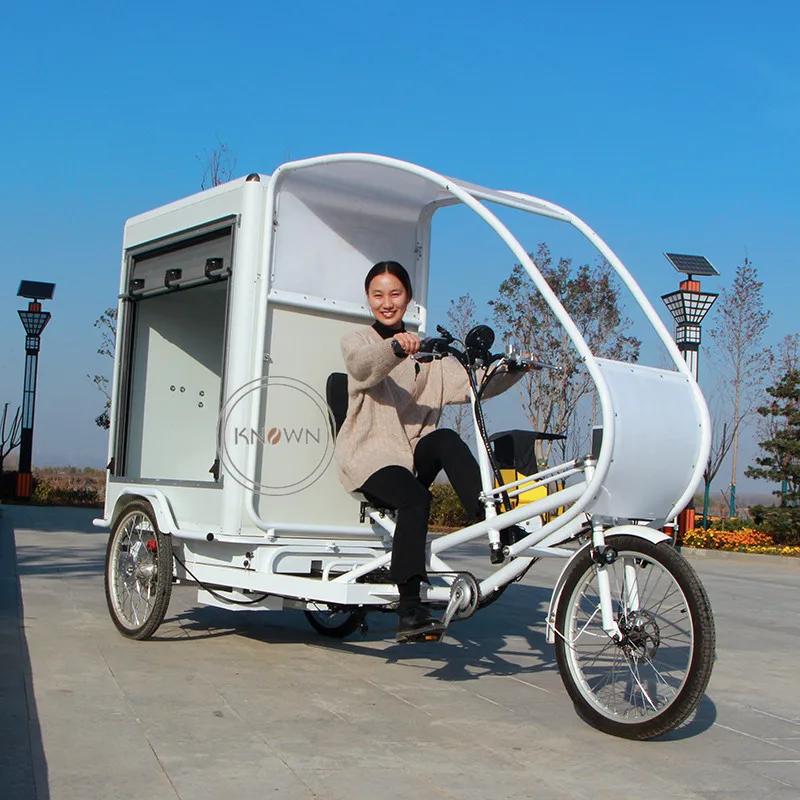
(603, 557)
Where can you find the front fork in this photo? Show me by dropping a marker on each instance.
(604, 557)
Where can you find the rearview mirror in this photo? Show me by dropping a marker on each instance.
(479, 342)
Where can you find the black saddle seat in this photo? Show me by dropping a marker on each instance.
(337, 399)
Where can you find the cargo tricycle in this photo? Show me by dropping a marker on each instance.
(229, 388)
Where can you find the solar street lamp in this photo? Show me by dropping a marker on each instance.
(688, 307)
(34, 320)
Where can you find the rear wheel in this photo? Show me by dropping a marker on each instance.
(335, 623)
(138, 571)
(651, 680)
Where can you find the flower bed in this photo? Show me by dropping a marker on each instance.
(746, 540)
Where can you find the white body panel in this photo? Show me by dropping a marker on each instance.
(657, 442)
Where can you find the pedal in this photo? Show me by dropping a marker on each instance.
(430, 635)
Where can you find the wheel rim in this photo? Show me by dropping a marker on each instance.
(134, 571)
(639, 678)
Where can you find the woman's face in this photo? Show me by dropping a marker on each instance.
(388, 299)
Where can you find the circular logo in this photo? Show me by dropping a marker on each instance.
(275, 435)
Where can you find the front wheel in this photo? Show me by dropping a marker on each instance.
(652, 679)
(138, 572)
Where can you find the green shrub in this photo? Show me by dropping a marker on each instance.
(727, 523)
(41, 492)
(780, 522)
(446, 508)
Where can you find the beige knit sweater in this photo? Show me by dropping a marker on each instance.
(393, 402)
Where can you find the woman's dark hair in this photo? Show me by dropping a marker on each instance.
(393, 268)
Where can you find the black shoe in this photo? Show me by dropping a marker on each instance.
(417, 625)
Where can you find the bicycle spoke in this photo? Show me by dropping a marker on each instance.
(136, 572)
(643, 673)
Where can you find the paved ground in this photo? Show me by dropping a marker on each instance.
(249, 705)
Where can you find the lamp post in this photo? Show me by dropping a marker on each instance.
(688, 307)
(34, 321)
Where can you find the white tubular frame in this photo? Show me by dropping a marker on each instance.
(575, 498)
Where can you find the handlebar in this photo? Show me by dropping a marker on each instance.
(436, 347)
(524, 360)
(433, 349)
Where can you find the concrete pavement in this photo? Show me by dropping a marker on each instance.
(254, 705)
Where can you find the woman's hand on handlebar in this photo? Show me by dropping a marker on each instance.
(408, 341)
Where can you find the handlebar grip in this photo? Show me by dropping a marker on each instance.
(433, 344)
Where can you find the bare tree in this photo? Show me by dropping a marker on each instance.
(460, 319)
(720, 447)
(591, 296)
(218, 165)
(106, 323)
(784, 357)
(9, 439)
(738, 330)
(721, 442)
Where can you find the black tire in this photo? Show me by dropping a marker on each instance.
(649, 683)
(138, 573)
(336, 623)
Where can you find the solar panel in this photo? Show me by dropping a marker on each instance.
(692, 265)
(36, 290)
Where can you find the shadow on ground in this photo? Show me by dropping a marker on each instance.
(23, 767)
(44, 561)
(51, 519)
(85, 558)
(506, 639)
(488, 643)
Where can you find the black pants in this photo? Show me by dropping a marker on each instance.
(397, 488)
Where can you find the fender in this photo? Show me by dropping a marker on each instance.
(642, 531)
(157, 500)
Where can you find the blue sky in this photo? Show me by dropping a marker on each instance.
(666, 127)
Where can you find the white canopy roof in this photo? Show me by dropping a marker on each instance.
(401, 183)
